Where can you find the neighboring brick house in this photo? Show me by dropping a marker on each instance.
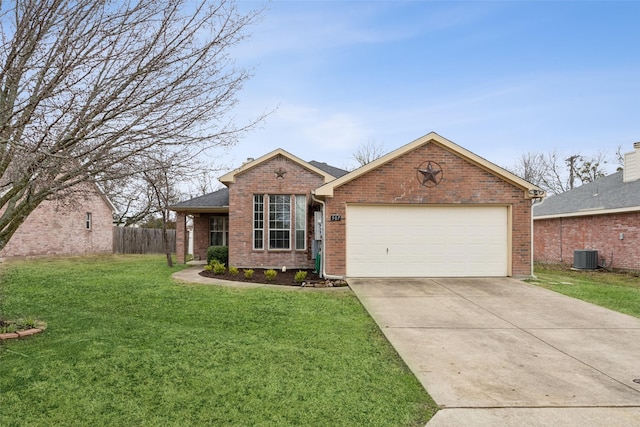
(603, 215)
(73, 227)
(430, 208)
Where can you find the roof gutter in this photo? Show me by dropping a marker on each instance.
(589, 212)
(322, 259)
(200, 209)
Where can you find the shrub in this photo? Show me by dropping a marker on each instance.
(300, 276)
(29, 323)
(270, 274)
(218, 268)
(218, 253)
(208, 267)
(233, 270)
(8, 328)
(248, 273)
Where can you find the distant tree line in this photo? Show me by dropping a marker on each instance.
(556, 172)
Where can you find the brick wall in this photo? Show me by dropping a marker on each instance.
(55, 228)
(182, 244)
(462, 183)
(262, 179)
(201, 237)
(556, 239)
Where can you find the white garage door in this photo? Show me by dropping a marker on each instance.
(421, 241)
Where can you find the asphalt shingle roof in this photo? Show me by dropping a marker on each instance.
(609, 192)
(331, 170)
(218, 198)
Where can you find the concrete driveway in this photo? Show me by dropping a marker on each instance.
(501, 352)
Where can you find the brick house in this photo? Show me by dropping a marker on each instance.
(68, 227)
(430, 208)
(602, 216)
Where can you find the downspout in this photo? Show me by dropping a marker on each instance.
(534, 201)
(533, 275)
(324, 238)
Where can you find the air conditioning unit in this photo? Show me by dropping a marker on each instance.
(585, 259)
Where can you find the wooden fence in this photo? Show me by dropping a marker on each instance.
(129, 240)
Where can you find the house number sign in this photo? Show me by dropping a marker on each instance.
(335, 217)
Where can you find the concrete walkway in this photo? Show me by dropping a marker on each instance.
(501, 352)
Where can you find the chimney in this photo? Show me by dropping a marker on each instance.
(631, 169)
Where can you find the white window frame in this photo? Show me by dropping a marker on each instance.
(300, 222)
(273, 224)
(258, 219)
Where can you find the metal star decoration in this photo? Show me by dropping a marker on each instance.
(431, 175)
(280, 173)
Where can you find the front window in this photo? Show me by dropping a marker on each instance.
(87, 221)
(279, 222)
(219, 231)
(286, 225)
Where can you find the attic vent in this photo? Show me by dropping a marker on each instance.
(584, 259)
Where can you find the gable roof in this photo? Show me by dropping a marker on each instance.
(231, 176)
(218, 201)
(602, 196)
(332, 170)
(530, 190)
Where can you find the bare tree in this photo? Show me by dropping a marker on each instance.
(145, 197)
(556, 173)
(204, 180)
(368, 152)
(159, 180)
(544, 170)
(88, 88)
(588, 169)
(133, 199)
(530, 166)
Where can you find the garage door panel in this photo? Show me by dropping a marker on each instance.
(405, 241)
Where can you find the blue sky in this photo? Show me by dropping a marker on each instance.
(500, 78)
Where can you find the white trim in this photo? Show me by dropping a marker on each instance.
(589, 212)
(530, 191)
(231, 176)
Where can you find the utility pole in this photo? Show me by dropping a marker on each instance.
(570, 162)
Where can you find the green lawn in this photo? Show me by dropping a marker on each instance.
(617, 291)
(126, 346)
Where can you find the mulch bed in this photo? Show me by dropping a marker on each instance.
(286, 278)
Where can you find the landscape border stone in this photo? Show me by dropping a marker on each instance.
(20, 334)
